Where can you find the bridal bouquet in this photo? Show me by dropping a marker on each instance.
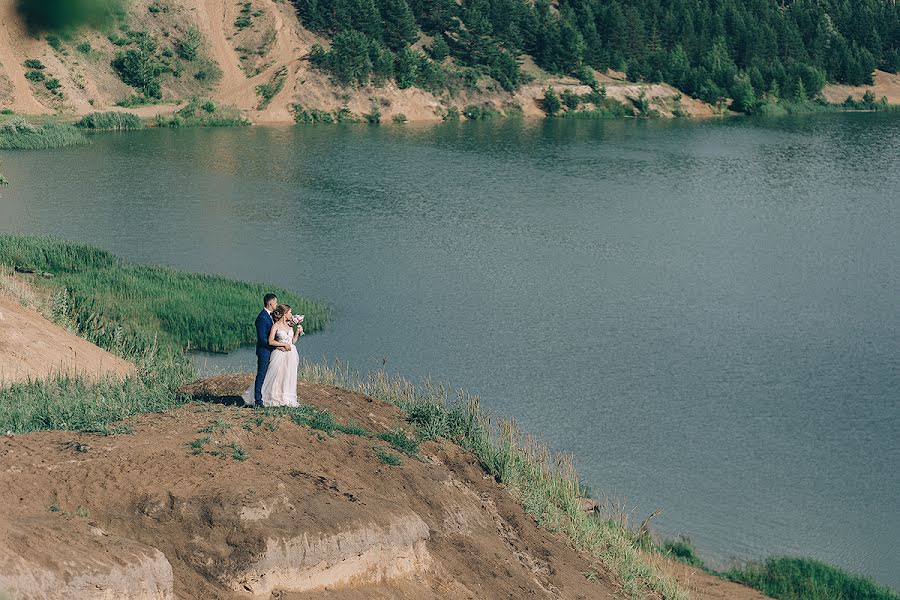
(297, 320)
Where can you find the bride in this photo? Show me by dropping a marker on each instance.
(280, 385)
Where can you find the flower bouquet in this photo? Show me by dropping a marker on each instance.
(296, 321)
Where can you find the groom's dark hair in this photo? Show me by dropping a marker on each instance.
(268, 298)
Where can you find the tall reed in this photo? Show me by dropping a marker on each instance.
(182, 310)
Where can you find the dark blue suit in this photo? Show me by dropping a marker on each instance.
(264, 325)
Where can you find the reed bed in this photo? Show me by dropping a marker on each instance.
(110, 121)
(187, 311)
(546, 484)
(19, 134)
(789, 578)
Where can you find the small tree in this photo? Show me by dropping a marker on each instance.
(189, 47)
(439, 49)
(349, 59)
(406, 68)
(743, 97)
(551, 103)
(800, 95)
(869, 98)
(570, 99)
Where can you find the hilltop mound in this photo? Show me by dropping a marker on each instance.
(32, 347)
(213, 501)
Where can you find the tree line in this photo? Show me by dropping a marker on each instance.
(747, 50)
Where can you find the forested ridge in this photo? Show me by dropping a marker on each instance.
(748, 50)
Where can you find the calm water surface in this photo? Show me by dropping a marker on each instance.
(706, 314)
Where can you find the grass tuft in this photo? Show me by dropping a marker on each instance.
(387, 458)
(110, 121)
(400, 441)
(788, 578)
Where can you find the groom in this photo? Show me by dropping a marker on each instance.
(264, 325)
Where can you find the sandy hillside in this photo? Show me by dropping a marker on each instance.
(305, 515)
(32, 347)
(271, 51)
(886, 84)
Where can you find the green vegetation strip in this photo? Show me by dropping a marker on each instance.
(179, 310)
(110, 121)
(147, 315)
(789, 578)
(19, 134)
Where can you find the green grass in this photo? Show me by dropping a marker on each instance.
(202, 113)
(682, 550)
(788, 578)
(110, 121)
(547, 485)
(153, 304)
(387, 458)
(400, 441)
(267, 91)
(147, 315)
(19, 134)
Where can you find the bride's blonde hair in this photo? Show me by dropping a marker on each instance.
(279, 312)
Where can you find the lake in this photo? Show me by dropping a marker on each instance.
(707, 314)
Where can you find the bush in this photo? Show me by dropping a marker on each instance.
(189, 47)
(452, 114)
(84, 47)
(140, 68)
(399, 118)
(208, 71)
(35, 76)
(570, 99)
(52, 84)
(373, 117)
(33, 63)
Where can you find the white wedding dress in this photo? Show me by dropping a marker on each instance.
(280, 385)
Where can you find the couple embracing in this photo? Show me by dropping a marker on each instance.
(276, 356)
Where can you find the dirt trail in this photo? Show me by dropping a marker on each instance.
(210, 15)
(15, 47)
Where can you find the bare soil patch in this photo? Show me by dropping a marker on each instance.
(32, 347)
(303, 515)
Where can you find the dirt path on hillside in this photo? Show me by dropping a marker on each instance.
(14, 47)
(210, 16)
(32, 347)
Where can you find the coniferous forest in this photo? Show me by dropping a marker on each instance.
(746, 50)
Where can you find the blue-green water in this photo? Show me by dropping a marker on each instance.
(706, 314)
